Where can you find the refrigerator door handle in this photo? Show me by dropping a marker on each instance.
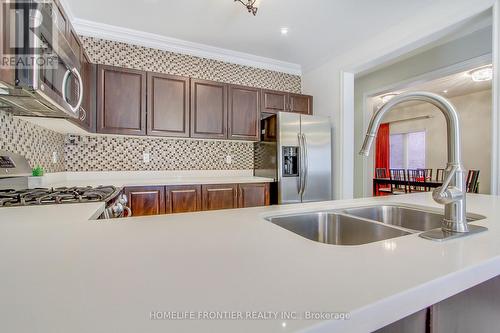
(306, 171)
(301, 165)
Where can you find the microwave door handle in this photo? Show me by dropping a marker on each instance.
(80, 84)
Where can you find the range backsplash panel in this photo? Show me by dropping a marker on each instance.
(124, 153)
(126, 55)
(37, 144)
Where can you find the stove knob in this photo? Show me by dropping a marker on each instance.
(123, 200)
(117, 210)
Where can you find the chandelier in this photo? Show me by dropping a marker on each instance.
(250, 6)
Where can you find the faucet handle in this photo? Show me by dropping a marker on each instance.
(446, 194)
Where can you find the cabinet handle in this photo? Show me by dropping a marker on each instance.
(220, 189)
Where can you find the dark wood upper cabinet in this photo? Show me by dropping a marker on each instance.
(168, 105)
(74, 43)
(278, 101)
(60, 18)
(208, 109)
(243, 113)
(253, 195)
(301, 103)
(183, 199)
(219, 196)
(274, 101)
(146, 200)
(121, 101)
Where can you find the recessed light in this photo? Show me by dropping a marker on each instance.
(284, 31)
(482, 74)
(445, 91)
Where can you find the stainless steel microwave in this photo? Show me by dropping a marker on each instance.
(39, 72)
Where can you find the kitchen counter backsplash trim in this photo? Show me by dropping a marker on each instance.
(121, 153)
(106, 52)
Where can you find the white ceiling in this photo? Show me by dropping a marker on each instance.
(455, 85)
(317, 28)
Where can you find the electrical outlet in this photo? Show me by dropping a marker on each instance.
(229, 159)
(146, 157)
(55, 158)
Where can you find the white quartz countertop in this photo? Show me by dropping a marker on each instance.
(61, 272)
(122, 179)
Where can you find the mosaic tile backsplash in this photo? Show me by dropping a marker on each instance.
(112, 153)
(119, 54)
(37, 144)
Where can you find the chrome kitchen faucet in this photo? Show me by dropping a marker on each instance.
(453, 191)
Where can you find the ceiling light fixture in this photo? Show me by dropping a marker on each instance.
(284, 31)
(387, 97)
(250, 6)
(445, 91)
(482, 74)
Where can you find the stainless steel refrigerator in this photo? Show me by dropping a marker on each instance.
(296, 150)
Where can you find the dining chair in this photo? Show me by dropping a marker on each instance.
(428, 176)
(472, 181)
(427, 173)
(417, 175)
(399, 175)
(382, 189)
(439, 175)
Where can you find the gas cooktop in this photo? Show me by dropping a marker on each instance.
(59, 195)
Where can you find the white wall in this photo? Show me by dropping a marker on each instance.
(474, 111)
(324, 80)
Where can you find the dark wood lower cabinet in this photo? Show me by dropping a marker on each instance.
(183, 199)
(147, 200)
(253, 195)
(155, 200)
(219, 196)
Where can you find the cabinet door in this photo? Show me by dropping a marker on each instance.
(219, 196)
(168, 105)
(208, 109)
(121, 101)
(244, 113)
(253, 195)
(60, 19)
(301, 103)
(183, 199)
(74, 44)
(146, 200)
(274, 101)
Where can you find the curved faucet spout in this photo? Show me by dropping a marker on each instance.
(450, 114)
(453, 191)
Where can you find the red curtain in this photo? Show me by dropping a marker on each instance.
(382, 150)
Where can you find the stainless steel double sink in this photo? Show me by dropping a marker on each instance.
(361, 225)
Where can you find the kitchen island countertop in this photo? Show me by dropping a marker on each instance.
(62, 271)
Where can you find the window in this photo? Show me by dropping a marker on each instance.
(407, 150)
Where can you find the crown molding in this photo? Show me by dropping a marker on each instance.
(130, 36)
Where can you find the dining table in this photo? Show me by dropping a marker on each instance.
(426, 183)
